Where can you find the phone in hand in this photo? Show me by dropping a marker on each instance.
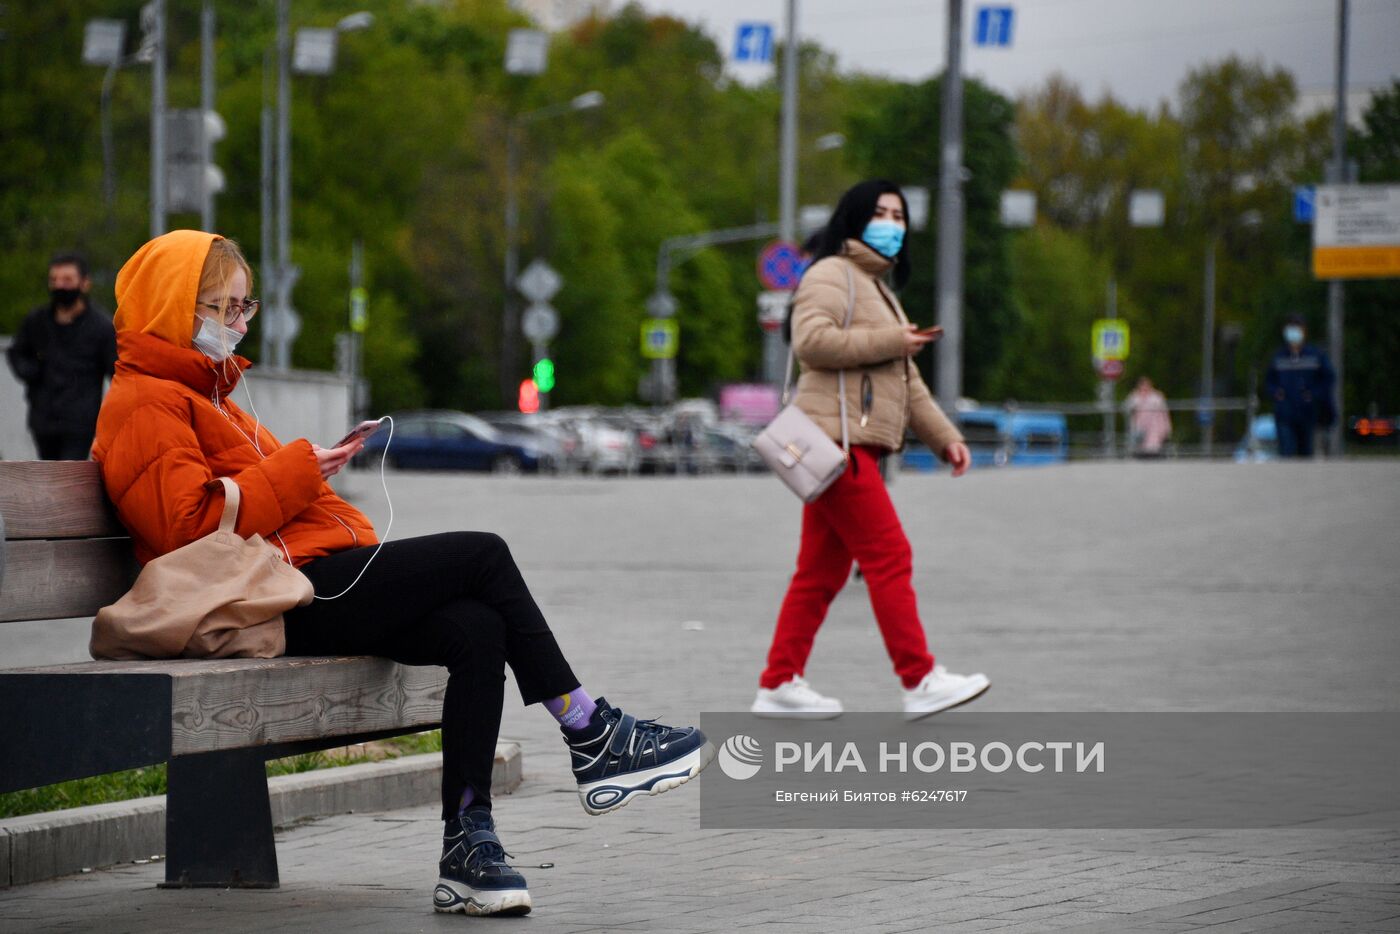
(935, 332)
(361, 431)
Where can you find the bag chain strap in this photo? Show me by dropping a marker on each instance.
(840, 374)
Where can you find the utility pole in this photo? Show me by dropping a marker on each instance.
(269, 270)
(1110, 428)
(206, 96)
(157, 31)
(950, 217)
(510, 320)
(1206, 414)
(282, 345)
(1336, 295)
(774, 350)
(358, 322)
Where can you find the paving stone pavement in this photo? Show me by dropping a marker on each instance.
(1175, 586)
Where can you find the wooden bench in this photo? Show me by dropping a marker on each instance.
(214, 722)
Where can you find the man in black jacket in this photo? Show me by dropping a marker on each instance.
(1299, 380)
(63, 351)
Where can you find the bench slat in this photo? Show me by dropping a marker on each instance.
(256, 706)
(59, 579)
(55, 499)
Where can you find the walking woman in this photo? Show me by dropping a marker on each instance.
(168, 430)
(854, 519)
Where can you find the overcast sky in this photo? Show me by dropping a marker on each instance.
(1138, 49)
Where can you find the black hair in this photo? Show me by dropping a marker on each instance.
(1296, 318)
(71, 259)
(853, 212)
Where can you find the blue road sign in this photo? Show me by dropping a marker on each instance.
(994, 25)
(1304, 204)
(780, 266)
(753, 43)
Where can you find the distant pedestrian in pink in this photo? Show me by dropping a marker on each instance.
(1149, 422)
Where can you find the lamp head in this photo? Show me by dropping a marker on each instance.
(355, 22)
(587, 100)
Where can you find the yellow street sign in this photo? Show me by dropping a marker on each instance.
(661, 338)
(1110, 337)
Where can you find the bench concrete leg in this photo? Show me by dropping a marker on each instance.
(218, 823)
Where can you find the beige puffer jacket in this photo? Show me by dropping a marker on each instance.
(873, 349)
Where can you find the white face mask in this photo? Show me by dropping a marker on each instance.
(215, 346)
(1293, 334)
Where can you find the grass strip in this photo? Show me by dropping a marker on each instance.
(144, 782)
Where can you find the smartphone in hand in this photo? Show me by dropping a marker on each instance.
(361, 431)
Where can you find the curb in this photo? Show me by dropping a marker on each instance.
(59, 843)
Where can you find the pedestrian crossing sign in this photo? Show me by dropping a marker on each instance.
(661, 338)
(1110, 339)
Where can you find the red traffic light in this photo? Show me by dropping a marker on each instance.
(529, 397)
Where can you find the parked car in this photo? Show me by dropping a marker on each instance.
(1001, 437)
(656, 449)
(560, 446)
(440, 439)
(603, 448)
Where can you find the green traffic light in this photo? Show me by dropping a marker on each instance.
(544, 374)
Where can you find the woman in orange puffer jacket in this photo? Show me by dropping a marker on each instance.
(169, 429)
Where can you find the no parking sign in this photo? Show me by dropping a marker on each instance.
(780, 266)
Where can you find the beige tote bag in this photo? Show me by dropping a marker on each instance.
(221, 596)
(794, 446)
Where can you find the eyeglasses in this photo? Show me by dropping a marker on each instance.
(246, 311)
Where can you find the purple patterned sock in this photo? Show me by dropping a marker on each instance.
(467, 796)
(573, 710)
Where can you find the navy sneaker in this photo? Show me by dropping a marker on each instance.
(618, 757)
(473, 877)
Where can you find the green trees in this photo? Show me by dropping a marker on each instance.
(894, 134)
(1226, 156)
(404, 148)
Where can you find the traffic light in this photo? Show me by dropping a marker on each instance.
(529, 397)
(192, 178)
(544, 374)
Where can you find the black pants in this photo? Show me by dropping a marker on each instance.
(1295, 436)
(62, 447)
(456, 600)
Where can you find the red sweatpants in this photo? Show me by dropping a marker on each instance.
(853, 520)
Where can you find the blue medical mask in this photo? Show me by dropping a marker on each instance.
(215, 346)
(884, 237)
(1293, 334)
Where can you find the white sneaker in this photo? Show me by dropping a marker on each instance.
(795, 698)
(940, 690)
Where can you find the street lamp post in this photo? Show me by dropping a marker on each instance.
(103, 43)
(156, 31)
(950, 216)
(510, 326)
(206, 96)
(279, 331)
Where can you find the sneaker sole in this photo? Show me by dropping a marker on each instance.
(955, 700)
(451, 897)
(775, 712)
(609, 794)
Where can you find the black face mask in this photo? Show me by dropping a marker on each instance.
(65, 296)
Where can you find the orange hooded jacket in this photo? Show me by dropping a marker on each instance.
(168, 429)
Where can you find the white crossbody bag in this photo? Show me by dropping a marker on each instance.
(794, 446)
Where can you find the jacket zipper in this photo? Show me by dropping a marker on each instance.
(899, 319)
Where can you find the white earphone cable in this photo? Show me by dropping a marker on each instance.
(383, 481)
(383, 459)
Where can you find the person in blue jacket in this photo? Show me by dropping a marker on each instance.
(1299, 381)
